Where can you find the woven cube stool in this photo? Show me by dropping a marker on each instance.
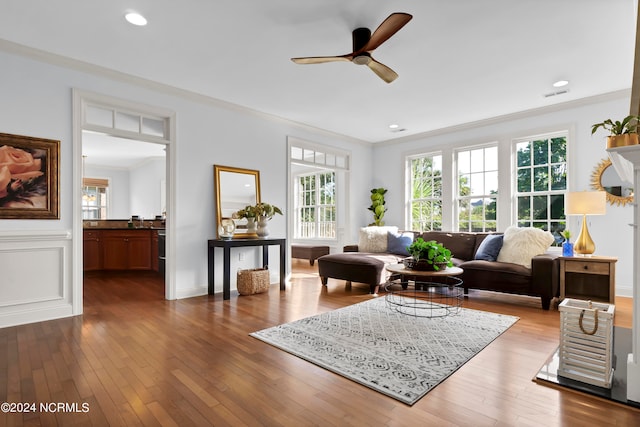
(253, 281)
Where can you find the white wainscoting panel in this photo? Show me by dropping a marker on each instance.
(35, 276)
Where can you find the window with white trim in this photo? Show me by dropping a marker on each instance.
(425, 200)
(94, 198)
(318, 177)
(316, 206)
(541, 182)
(477, 192)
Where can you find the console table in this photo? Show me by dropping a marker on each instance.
(226, 246)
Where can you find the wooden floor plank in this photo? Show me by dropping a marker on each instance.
(137, 359)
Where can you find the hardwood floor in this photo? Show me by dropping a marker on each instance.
(133, 358)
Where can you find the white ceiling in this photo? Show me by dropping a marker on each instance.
(459, 61)
(113, 152)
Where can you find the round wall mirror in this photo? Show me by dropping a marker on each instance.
(605, 178)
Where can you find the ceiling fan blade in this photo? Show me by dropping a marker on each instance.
(384, 72)
(321, 59)
(388, 28)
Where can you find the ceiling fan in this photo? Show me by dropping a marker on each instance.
(364, 43)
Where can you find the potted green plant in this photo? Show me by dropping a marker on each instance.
(621, 133)
(429, 255)
(245, 213)
(267, 210)
(567, 246)
(250, 214)
(377, 206)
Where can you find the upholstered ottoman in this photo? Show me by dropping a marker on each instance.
(361, 267)
(310, 252)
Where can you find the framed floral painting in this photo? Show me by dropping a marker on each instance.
(28, 177)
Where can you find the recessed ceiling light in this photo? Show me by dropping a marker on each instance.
(135, 19)
(394, 126)
(561, 83)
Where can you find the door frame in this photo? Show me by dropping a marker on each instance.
(80, 100)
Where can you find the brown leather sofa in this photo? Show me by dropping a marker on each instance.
(541, 280)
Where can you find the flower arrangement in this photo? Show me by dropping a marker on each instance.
(567, 246)
(267, 210)
(246, 212)
(258, 210)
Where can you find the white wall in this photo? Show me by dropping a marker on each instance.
(37, 101)
(145, 183)
(611, 232)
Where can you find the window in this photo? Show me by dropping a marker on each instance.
(477, 189)
(94, 198)
(115, 121)
(541, 174)
(319, 180)
(426, 193)
(316, 206)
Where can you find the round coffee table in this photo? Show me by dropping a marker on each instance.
(425, 293)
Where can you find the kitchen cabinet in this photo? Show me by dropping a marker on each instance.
(118, 249)
(154, 250)
(91, 250)
(126, 249)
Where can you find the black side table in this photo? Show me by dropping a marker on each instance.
(226, 246)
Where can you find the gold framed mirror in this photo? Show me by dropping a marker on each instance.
(605, 178)
(235, 189)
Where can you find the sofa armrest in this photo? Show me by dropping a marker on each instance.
(350, 248)
(545, 275)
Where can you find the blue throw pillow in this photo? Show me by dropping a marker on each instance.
(490, 247)
(397, 242)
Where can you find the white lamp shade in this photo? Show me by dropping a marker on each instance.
(585, 203)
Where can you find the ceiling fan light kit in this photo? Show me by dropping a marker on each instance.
(364, 43)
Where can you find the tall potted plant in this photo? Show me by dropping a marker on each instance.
(621, 132)
(377, 206)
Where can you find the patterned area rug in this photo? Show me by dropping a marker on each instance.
(396, 354)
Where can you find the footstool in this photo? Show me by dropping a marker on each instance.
(310, 252)
(368, 268)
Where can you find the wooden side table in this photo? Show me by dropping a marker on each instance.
(588, 278)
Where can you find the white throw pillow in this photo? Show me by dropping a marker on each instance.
(374, 238)
(522, 244)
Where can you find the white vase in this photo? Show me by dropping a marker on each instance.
(251, 226)
(263, 231)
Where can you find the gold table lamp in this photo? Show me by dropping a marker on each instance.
(585, 203)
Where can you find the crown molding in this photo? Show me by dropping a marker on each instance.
(609, 96)
(86, 67)
(77, 65)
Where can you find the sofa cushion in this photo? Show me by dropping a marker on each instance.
(461, 245)
(496, 276)
(522, 244)
(490, 247)
(374, 239)
(397, 242)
